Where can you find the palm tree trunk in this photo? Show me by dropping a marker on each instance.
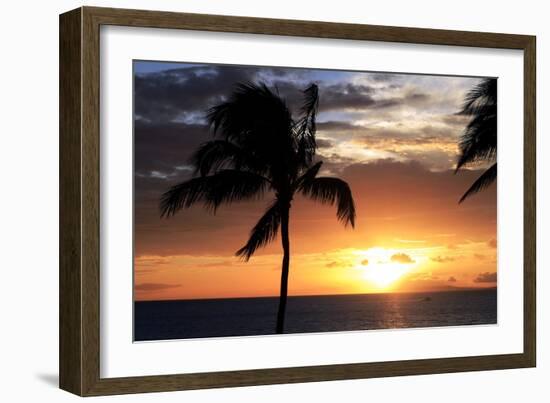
(284, 271)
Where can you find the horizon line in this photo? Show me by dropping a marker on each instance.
(454, 289)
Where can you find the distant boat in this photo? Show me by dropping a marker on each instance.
(427, 299)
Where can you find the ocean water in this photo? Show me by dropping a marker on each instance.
(165, 320)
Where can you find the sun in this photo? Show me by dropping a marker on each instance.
(381, 267)
(384, 276)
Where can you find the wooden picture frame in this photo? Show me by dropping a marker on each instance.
(79, 201)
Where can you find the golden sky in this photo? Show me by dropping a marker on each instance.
(392, 137)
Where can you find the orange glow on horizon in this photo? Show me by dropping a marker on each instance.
(340, 271)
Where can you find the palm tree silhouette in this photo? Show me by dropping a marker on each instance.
(257, 148)
(478, 143)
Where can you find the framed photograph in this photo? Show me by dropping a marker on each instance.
(251, 201)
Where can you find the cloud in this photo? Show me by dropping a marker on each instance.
(324, 143)
(443, 259)
(401, 258)
(161, 148)
(486, 277)
(154, 286)
(335, 264)
(492, 243)
(337, 125)
(170, 108)
(172, 94)
(346, 96)
(184, 94)
(384, 77)
(479, 256)
(451, 279)
(365, 262)
(433, 143)
(353, 96)
(455, 120)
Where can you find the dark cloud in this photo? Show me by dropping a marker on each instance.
(185, 94)
(170, 107)
(324, 143)
(385, 77)
(401, 258)
(161, 159)
(154, 286)
(415, 97)
(452, 279)
(455, 120)
(492, 243)
(163, 147)
(443, 259)
(164, 96)
(349, 96)
(346, 96)
(486, 277)
(337, 126)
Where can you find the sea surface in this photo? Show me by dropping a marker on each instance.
(164, 320)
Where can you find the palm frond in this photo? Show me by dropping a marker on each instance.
(311, 100)
(258, 120)
(305, 127)
(308, 175)
(479, 140)
(263, 232)
(477, 99)
(225, 186)
(482, 182)
(216, 154)
(331, 191)
(252, 113)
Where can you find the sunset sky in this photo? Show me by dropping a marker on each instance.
(392, 137)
